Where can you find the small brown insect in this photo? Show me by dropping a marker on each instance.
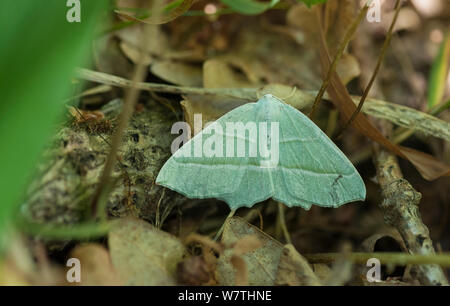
(91, 121)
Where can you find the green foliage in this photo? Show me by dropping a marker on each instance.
(40, 49)
(310, 3)
(250, 7)
(438, 74)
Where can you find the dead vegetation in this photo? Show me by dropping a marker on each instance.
(125, 230)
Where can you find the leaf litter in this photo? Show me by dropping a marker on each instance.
(248, 57)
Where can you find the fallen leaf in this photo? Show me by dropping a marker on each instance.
(132, 37)
(246, 244)
(144, 255)
(348, 68)
(219, 73)
(261, 263)
(429, 167)
(96, 266)
(178, 73)
(134, 54)
(322, 271)
(10, 276)
(241, 270)
(294, 269)
(300, 99)
(209, 107)
(339, 16)
(109, 58)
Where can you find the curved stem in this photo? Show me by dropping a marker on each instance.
(230, 215)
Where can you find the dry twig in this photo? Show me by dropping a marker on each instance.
(400, 207)
(398, 114)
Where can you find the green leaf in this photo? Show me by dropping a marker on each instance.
(250, 7)
(438, 74)
(39, 51)
(310, 3)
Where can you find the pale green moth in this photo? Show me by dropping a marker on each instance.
(301, 168)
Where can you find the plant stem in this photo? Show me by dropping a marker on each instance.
(78, 231)
(337, 57)
(375, 72)
(401, 259)
(230, 215)
(282, 222)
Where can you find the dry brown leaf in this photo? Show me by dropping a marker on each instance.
(301, 100)
(246, 244)
(219, 73)
(96, 266)
(240, 266)
(322, 271)
(213, 107)
(10, 276)
(265, 57)
(143, 254)
(302, 18)
(17, 266)
(132, 36)
(178, 73)
(135, 55)
(339, 15)
(348, 68)
(429, 167)
(294, 269)
(109, 58)
(408, 20)
(342, 270)
(249, 64)
(262, 263)
(210, 107)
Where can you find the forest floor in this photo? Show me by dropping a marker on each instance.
(208, 64)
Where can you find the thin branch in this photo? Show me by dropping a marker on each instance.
(348, 36)
(100, 196)
(109, 79)
(401, 259)
(377, 68)
(400, 115)
(282, 223)
(400, 208)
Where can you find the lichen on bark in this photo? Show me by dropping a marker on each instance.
(68, 174)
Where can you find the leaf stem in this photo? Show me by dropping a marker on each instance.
(220, 231)
(401, 259)
(337, 57)
(375, 72)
